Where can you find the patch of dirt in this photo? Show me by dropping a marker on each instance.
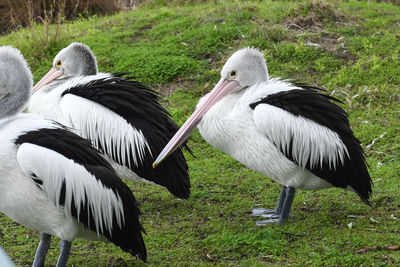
(314, 15)
(311, 18)
(191, 83)
(170, 88)
(332, 42)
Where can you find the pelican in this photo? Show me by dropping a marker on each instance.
(120, 116)
(54, 181)
(290, 132)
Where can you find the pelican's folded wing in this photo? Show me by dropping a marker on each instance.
(313, 132)
(123, 118)
(77, 179)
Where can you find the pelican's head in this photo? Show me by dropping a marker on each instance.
(244, 68)
(74, 60)
(15, 81)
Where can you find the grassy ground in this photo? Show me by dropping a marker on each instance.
(351, 49)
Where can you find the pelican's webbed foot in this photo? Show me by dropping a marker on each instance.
(281, 213)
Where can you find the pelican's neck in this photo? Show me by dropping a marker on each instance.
(219, 118)
(15, 82)
(13, 103)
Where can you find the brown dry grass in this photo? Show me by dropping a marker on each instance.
(314, 15)
(17, 13)
(393, 2)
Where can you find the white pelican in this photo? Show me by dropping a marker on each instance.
(120, 116)
(290, 132)
(53, 181)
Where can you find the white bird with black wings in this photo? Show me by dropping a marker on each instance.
(120, 116)
(290, 132)
(53, 181)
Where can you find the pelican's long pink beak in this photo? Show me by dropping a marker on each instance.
(50, 76)
(222, 88)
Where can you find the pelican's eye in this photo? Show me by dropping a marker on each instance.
(59, 63)
(232, 74)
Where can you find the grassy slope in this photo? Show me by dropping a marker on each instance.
(180, 49)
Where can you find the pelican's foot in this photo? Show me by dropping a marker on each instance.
(281, 213)
(262, 212)
(269, 221)
(271, 215)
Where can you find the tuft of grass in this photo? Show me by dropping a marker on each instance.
(351, 49)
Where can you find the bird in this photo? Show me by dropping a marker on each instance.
(54, 181)
(120, 116)
(291, 132)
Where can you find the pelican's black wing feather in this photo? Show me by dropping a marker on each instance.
(140, 107)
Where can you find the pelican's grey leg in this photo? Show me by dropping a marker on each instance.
(284, 213)
(41, 250)
(290, 192)
(65, 249)
(268, 213)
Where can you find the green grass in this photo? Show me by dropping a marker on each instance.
(180, 49)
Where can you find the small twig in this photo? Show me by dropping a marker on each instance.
(298, 26)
